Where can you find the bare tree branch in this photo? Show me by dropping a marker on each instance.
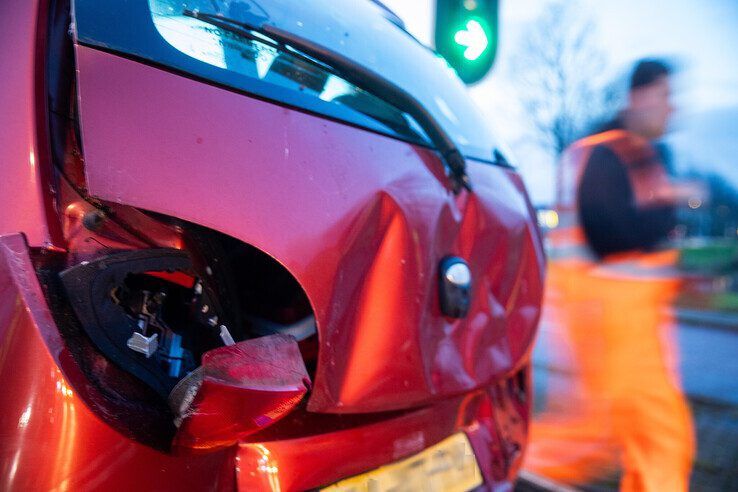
(559, 67)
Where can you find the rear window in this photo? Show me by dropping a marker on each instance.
(165, 33)
(255, 55)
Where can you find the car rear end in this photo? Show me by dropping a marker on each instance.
(226, 256)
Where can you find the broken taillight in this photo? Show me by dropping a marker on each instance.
(238, 390)
(149, 312)
(169, 321)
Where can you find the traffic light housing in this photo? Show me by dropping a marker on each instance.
(466, 36)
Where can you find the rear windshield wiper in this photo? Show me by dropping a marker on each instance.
(357, 74)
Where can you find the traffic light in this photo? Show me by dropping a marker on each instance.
(466, 36)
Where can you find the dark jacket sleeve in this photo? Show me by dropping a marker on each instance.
(612, 222)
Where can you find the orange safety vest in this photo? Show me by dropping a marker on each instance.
(644, 170)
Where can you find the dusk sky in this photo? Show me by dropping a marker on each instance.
(702, 35)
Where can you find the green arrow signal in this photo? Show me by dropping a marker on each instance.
(473, 38)
(466, 36)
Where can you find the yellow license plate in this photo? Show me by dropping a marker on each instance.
(449, 466)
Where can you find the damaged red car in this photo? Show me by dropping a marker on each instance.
(254, 245)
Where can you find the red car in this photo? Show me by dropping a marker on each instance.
(265, 245)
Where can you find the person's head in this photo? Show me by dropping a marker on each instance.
(649, 98)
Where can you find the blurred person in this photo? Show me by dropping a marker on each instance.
(626, 198)
(608, 290)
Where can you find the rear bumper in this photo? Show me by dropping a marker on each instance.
(309, 462)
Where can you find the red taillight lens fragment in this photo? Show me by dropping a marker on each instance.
(239, 390)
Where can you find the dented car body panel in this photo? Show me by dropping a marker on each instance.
(351, 220)
(360, 220)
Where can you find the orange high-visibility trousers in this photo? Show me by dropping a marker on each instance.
(624, 406)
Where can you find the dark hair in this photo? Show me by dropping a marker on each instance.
(647, 71)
